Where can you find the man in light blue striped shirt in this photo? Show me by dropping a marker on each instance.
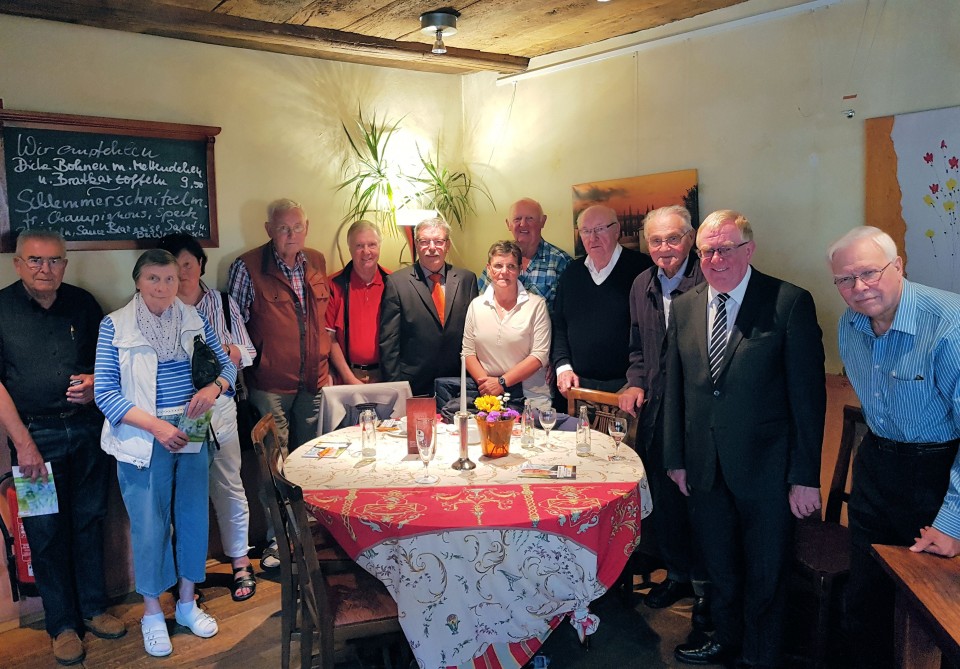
(900, 344)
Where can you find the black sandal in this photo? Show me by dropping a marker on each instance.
(249, 582)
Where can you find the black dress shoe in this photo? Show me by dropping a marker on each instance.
(701, 619)
(709, 652)
(667, 593)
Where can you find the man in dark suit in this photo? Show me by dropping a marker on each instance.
(743, 422)
(423, 311)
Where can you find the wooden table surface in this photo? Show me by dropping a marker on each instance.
(928, 605)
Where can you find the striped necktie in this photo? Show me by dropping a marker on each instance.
(718, 336)
(437, 294)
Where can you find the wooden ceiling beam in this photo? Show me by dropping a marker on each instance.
(154, 18)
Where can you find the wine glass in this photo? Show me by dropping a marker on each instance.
(548, 418)
(426, 445)
(618, 430)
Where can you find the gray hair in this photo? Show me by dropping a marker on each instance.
(282, 205)
(435, 222)
(714, 221)
(598, 208)
(671, 210)
(360, 226)
(41, 236)
(880, 239)
(157, 257)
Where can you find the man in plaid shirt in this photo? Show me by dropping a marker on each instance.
(542, 261)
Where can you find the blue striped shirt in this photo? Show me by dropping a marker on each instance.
(174, 385)
(908, 379)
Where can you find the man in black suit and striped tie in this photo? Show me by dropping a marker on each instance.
(744, 412)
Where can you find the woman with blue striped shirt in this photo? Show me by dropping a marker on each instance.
(142, 385)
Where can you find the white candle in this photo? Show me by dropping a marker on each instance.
(463, 384)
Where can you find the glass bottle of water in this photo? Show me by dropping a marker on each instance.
(583, 432)
(526, 433)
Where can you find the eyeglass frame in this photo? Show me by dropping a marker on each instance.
(297, 229)
(426, 243)
(36, 263)
(656, 243)
(723, 251)
(597, 231)
(841, 281)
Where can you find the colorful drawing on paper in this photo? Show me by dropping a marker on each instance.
(633, 198)
(927, 149)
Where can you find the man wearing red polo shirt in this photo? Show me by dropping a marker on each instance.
(353, 314)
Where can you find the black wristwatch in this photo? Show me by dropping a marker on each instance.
(220, 386)
(503, 382)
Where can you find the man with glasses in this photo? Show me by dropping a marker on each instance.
(743, 430)
(591, 315)
(669, 237)
(282, 291)
(423, 312)
(900, 345)
(48, 339)
(543, 263)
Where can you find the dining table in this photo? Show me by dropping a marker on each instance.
(484, 563)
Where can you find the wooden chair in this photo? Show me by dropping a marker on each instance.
(602, 407)
(270, 461)
(334, 608)
(822, 547)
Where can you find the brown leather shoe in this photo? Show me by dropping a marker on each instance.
(67, 648)
(105, 626)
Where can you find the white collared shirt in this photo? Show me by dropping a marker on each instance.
(733, 304)
(600, 275)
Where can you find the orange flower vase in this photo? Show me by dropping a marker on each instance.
(495, 437)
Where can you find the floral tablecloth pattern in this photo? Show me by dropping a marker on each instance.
(484, 564)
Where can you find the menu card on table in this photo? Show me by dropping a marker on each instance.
(418, 407)
(533, 471)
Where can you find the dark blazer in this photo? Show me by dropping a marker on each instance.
(648, 343)
(761, 425)
(414, 346)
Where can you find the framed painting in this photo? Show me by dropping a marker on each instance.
(632, 198)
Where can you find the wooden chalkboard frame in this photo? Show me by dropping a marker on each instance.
(114, 126)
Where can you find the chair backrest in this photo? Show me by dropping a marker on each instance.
(854, 429)
(602, 407)
(317, 613)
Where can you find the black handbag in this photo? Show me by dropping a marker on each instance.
(204, 366)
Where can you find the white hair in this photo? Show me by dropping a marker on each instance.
(880, 239)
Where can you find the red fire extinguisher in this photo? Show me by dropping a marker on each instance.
(19, 565)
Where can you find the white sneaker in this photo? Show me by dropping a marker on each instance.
(156, 638)
(199, 621)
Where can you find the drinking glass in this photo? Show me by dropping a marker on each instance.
(617, 430)
(548, 418)
(426, 445)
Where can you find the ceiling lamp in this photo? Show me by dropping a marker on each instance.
(437, 24)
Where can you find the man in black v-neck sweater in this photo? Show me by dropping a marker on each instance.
(591, 319)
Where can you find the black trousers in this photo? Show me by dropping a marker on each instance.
(892, 497)
(745, 544)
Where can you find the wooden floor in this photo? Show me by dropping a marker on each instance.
(249, 633)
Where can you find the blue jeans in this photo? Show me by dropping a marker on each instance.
(67, 547)
(173, 480)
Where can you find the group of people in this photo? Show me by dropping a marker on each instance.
(723, 366)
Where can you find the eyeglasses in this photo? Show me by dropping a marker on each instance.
(287, 230)
(672, 240)
(36, 262)
(425, 243)
(500, 268)
(871, 278)
(595, 232)
(724, 251)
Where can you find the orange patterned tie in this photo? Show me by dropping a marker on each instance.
(437, 294)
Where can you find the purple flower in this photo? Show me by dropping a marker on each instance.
(510, 414)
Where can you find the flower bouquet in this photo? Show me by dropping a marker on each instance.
(495, 421)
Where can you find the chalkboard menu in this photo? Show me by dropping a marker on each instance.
(105, 183)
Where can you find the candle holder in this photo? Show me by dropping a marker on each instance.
(462, 421)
